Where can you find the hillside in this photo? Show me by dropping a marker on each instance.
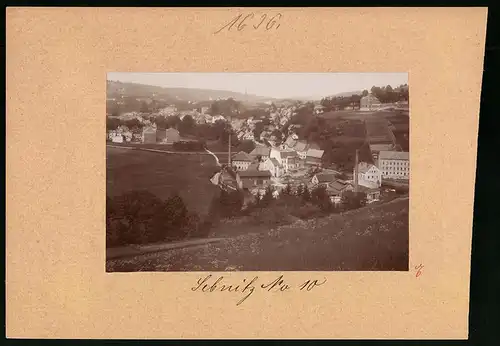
(348, 93)
(370, 238)
(115, 88)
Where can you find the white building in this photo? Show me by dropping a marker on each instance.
(216, 118)
(241, 161)
(248, 136)
(261, 152)
(170, 110)
(394, 164)
(127, 135)
(369, 103)
(319, 109)
(118, 138)
(273, 166)
(368, 175)
(286, 158)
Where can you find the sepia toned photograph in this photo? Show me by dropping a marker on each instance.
(257, 172)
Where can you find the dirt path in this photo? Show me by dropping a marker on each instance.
(370, 238)
(165, 151)
(138, 250)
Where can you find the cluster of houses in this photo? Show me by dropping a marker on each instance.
(371, 103)
(121, 134)
(259, 169)
(266, 166)
(152, 135)
(148, 135)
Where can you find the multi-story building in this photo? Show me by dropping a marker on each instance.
(242, 161)
(394, 164)
(369, 102)
(368, 175)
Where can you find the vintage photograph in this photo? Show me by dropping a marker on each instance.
(257, 172)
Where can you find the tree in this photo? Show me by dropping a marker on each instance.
(172, 122)
(306, 195)
(187, 125)
(259, 127)
(144, 107)
(288, 190)
(300, 190)
(133, 123)
(175, 216)
(112, 124)
(353, 200)
(268, 196)
(246, 146)
(320, 198)
(365, 93)
(278, 134)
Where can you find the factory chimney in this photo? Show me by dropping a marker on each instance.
(229, 151)
(356, 163)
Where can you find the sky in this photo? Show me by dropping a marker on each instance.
(275, 85)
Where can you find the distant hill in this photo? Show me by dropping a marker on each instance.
(348, 93)
(115, 88)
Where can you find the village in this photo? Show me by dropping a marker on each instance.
(279, 158)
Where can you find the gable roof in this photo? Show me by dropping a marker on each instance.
(362, 188)
(325, 177)
(371, 98)
(301, 146)
(149, 130)
(290, 142)
(254, 166)
(287, 154)
(275, 162)
(338, 184)
(380, 147)
(364, 167)
(313, 146)
(254, 174)
(261, 150)
(315, 153)
(242, 156)
(394, 155)
(172, 131)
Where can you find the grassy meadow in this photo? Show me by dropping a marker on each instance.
(162, 175)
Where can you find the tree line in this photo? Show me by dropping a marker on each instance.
(385, 94)
(140, 217)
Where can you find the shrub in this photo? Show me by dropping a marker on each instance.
(272, 216)
(306, 211)
(140, 217)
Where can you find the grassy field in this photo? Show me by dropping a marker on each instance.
(370, 238)
(161, 174)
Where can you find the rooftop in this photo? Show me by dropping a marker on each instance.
(394, 155)
(301, 146)
(380, 147)
(254, 174)
(275, 162)
(364, 167)
(242, 156)
(325, 177)
(260, 150)
(285, 154)
(315, 153)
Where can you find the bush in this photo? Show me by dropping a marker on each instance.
(306, 211)
(272, 216)
(140, 217)
(353, 200)
(189, 145)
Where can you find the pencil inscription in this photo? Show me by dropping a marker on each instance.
(241, 22)
(247, 287)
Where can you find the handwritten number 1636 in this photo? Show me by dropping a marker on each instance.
(241, 22)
